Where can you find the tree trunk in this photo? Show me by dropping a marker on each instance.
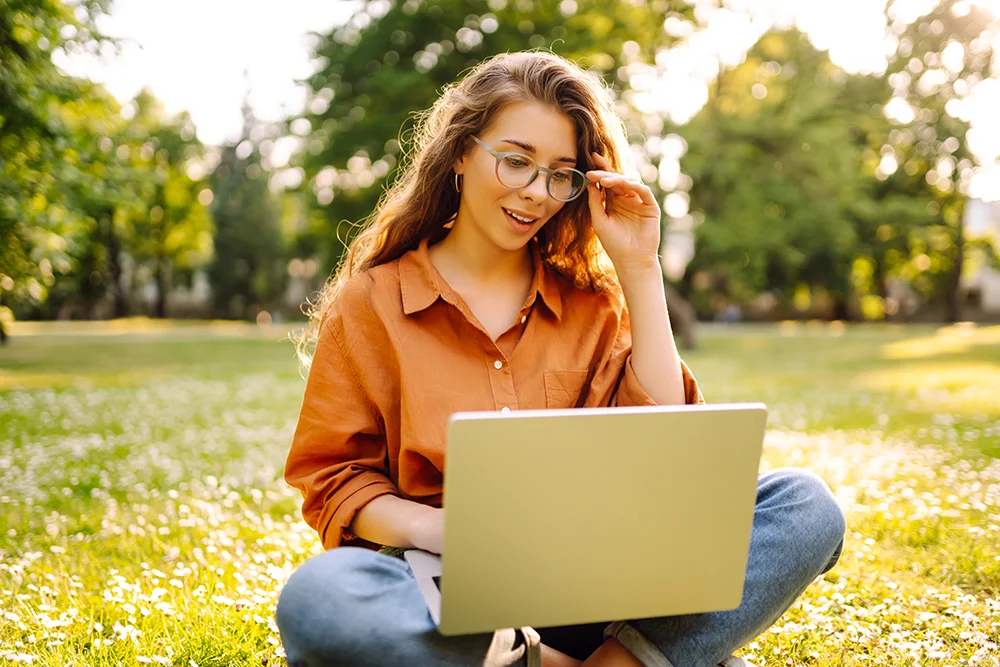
(953, 312)
(3, 332)
(162, 284)
(682, 317)
(118, 290)
(880, 281)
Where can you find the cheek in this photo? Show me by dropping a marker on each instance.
(486, 184)
(557, 207)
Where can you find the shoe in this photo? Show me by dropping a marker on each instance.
(733, 661)
(511, 647)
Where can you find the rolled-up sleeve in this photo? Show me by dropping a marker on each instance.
(338, 454)
(631, 393)
(615, 381)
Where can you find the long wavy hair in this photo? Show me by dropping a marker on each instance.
(423, 199)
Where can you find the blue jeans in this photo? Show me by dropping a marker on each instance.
(356, 607)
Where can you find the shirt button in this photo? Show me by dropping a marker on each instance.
(524, 318)
(505, 409)
(498, 364)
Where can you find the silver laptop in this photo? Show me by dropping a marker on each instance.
(560, 517)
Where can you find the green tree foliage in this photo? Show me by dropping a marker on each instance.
(73, 173)
(812, 182)
(135, 207)
(40, 111)
(773, 161)
(131, 209)
(171, 229)
(96, 184)
(81, 188)
(248, 272)
(938, 59)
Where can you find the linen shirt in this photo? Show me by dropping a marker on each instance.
(400, 351)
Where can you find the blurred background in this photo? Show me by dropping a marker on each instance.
(836, 161)
(833, 167)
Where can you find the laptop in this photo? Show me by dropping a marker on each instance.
(561, 517)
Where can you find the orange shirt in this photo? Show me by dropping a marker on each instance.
(400, 351)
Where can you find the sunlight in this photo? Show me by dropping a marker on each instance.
(953, 339)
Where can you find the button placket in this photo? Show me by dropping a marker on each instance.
(501, 381)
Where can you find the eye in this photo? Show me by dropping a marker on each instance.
(517, 162)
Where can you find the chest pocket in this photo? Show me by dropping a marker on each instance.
(563, 388)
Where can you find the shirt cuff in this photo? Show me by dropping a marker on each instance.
(631, 393)
(349, 499)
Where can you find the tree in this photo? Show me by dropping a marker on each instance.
(36, 128)
(99, 183)
(810, 180)
(167, 227)
(773, 162)
(939, 58)
(248, 269)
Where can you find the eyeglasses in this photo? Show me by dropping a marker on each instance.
(517, 170)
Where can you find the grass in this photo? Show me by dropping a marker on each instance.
(143, 519)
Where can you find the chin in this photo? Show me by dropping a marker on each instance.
(514, 241)
(511, 244)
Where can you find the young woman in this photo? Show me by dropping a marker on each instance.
(512, 265)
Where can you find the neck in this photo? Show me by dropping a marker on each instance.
(481, 260)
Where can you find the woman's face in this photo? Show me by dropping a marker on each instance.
(510, 217)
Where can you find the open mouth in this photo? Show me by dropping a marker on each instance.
(521, 219)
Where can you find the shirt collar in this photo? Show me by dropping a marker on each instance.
(421, 284)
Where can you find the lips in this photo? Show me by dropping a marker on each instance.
(517, 225)
(521, 217)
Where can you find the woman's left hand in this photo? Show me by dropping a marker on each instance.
(626, 218)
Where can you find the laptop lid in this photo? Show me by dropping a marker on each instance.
(558, 517)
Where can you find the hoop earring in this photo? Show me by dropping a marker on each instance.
(458, 184)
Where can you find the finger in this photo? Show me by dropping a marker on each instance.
(595, 203)
(608, 179)
(597, 174)
(621, 186)
(642, 191)
(601, 161)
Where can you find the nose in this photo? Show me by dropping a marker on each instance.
(536, 190)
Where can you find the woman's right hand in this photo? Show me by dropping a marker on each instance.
(427, 530)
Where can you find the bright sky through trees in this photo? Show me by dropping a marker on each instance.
(193, 55)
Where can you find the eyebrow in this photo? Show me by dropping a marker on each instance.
(531, 149)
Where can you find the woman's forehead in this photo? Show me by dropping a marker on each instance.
(550, 132)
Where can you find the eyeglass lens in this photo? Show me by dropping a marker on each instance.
(516, 171)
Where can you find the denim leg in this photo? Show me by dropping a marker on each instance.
(798, 534)
(351, 606)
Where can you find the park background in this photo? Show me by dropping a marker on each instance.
(829, 176)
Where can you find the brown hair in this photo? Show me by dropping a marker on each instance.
(423, 198)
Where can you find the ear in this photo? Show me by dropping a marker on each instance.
(460, 163)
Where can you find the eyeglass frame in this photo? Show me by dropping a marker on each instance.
(501, 155)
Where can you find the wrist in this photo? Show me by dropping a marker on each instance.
(420, 526)
(639, 272)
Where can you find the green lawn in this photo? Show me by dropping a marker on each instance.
(143, 519)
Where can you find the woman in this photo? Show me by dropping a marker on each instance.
(512, 265)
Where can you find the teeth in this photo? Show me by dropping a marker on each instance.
(517, 217)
